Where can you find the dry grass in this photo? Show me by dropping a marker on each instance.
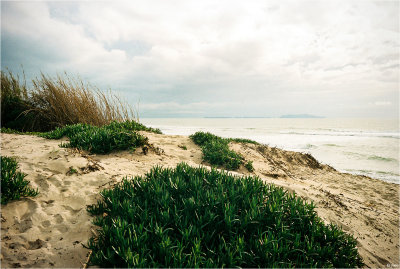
(14, 101)
(12, 85)
(67, 100)
(63, 100)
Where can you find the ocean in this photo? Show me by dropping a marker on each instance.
(359, 146)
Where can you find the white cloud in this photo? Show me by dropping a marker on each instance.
(382, 103)
(200, 52)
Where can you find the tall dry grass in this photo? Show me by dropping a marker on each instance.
(66, 100)
(14, 101)
(12, 86)
(62, 100)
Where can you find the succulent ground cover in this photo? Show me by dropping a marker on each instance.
(13, 131)
(13, 183)
(104, 139)
(216, 150)
(193, 217)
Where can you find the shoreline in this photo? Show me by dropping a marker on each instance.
(357, 146)
(49, 230)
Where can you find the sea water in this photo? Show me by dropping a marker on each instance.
(359, 146)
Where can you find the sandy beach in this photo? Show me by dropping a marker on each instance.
(52, 229)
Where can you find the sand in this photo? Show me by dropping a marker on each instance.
(52, 229)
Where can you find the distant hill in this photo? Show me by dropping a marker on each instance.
(301, 116)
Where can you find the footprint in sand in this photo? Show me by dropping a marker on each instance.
(41, 181)
(36, 244)
(62, 228)
(58, 218)
(55, 180)
(48, 203)
(23, 225)
(24, 211)
(14, 245)
(71, 210)
(55, 223)
(46, 223)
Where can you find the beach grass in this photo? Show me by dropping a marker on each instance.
(13, 183)
(216, 151)
(93, 120)
(103, 139)
(192, 217)
(58, 101)
(14, 102)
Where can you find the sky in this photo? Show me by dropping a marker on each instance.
(216, 58)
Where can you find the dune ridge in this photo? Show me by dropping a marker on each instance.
(50, 230)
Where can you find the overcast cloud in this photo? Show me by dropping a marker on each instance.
(217, 58)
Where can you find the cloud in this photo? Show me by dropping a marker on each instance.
(382, 103)
(385, 58)
(209, 58)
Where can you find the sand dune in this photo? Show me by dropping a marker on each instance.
(50, 230)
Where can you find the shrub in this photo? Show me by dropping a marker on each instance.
(114, 136)
(192, 217)
(216, 150)
(132, 125)
(13, 183)
(243, 140)
(249, 166)
(201, 137)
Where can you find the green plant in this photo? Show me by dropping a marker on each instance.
(216, 150)
(182, 147)
(249, 166)
(132, 125)
(72, 171)
(243, 140)
(12, 131)
(13, 183)
(192, 217)
(104, 139)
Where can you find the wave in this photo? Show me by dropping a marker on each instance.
(370, 157)
(346, 133)
(375, 172)
(380, 158)
(332, 145)
(309, 146)
(383, 175)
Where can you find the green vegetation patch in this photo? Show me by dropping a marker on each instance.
(192, 217)
(243, 140)
(104, 139)
(216, 150)
(13, 183)
(13, 131)
(249, 166)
